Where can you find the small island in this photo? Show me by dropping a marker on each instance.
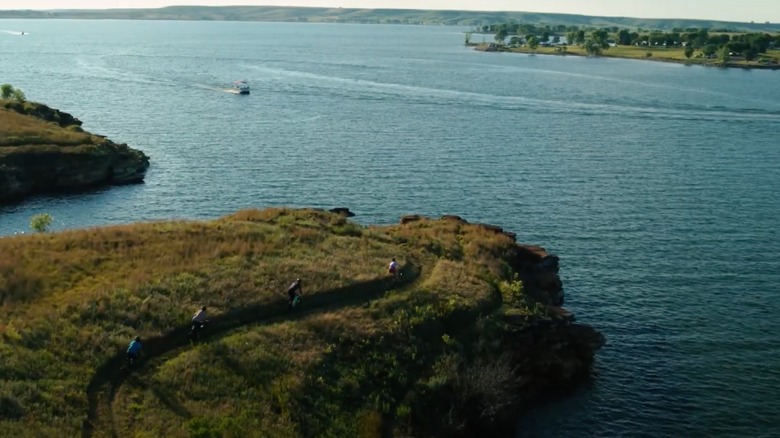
(470, 335)
(44, 150)
(695, 46)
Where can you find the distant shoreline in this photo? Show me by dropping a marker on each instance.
(376, 16)
(576, 51)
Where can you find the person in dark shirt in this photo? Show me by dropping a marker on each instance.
(295, 291)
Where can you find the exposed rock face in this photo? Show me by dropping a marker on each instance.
(342, 211)
(38, 168)
(411, 218)
(539, 272)
(549, 355)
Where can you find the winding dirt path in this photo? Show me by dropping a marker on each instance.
(110, 376)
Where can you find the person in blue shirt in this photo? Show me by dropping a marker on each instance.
(134, 349)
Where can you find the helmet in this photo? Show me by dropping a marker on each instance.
(297, 279)
(138, 338)
(203, 308)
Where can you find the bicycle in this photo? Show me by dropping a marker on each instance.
(293, 301)
(130, 361)
(195, 330)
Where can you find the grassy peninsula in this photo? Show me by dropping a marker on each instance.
(471, 335)
(45, 150)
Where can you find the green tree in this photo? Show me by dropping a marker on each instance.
(19, 95)
(593, 47)
(571, 37)
(6, 91)
(600, 37)
(725, 55)
(40, 222)
(501, 35)
(688, 51)
(749, 54)
(533, 43)
(468, 37)
(624, 37)
(580, 36)
(709, 50)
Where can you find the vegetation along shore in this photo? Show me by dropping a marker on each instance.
(471, 335)
(45, 150)
(700, 46)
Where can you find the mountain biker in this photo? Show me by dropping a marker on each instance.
(294, 291)
(199, 319)
(393, 269)
(134, 349)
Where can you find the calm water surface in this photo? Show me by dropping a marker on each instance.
(657, 184)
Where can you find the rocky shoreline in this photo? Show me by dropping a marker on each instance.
(548, 356)
(34, 164)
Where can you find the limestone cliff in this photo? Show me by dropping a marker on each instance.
(45, 150)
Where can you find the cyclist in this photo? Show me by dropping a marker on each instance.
(294, 292)
(393, 269)
(198, 320)
(134, 350)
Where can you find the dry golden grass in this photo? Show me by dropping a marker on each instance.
(22, 130)
(72, 300)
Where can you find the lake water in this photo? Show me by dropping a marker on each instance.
(657, 184)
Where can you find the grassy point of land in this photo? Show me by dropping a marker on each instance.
(45, 150)
(21, 131)
(362, 356)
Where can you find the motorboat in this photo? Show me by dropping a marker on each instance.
(241, 87)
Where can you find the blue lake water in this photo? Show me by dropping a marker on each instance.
(657, 184)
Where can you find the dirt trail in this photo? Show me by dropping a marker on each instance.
(112, 374)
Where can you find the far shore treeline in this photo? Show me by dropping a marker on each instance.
(723, 44)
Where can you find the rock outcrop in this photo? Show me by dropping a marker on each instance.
(343, 211)
(45, 150)
(548, 353)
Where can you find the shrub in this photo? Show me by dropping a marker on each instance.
(19, 95)
(6, 91)
(40, 222)
(489, 386)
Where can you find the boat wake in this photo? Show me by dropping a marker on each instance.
(14, 32)
(367, 89)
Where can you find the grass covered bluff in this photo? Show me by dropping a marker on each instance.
(471, 336)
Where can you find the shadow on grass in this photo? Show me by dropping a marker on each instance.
(112, 374)
(165, 397)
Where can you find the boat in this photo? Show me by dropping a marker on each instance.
(241, 87)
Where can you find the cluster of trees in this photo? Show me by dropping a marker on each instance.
(543, 33)
(7, 91)
(748, 45)
(595, 40)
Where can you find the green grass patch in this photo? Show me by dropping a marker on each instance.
(361, 359)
